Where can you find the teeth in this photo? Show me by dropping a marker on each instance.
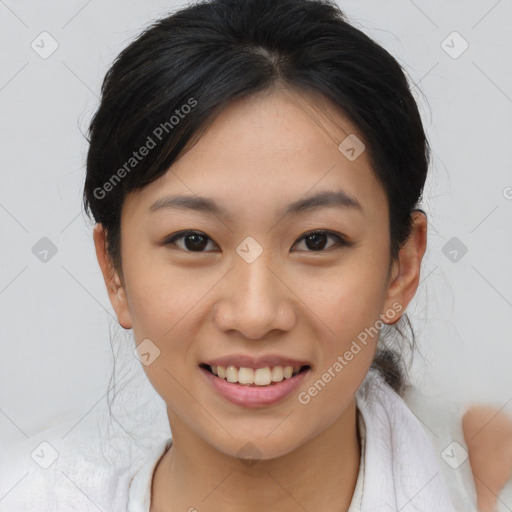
(255, 376)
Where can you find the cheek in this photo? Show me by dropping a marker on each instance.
(348, 304)
(349, 296)
(349, 307)
(160, 295)
(163, 301)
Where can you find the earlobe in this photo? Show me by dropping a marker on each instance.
(405, 273)
(115, 288)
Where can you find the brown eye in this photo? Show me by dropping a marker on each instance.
(316, 240)
(192, 241)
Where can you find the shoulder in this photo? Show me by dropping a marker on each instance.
(488, 434)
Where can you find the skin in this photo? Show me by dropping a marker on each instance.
(488, 435)
(259, 155)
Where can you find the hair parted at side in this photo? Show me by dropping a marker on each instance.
(194, 62)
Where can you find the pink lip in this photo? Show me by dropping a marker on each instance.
(240, 360)
(254, 396)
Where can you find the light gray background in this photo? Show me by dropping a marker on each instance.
(56, 318)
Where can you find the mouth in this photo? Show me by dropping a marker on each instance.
(255, 377)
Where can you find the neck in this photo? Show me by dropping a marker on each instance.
(320, 474)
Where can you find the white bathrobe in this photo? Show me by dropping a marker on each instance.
(413, 458)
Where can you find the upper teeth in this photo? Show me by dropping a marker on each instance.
(258, 376)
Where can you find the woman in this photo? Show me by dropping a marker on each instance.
(255, 171)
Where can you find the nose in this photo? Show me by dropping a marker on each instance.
(254, 300)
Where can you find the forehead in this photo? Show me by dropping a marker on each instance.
(271, 149)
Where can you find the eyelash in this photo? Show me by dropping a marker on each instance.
(341, 241)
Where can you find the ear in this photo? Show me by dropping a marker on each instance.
(113, 282)
(405, 272)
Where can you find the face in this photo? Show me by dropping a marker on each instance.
(257, 277)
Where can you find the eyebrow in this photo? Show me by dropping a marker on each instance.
(327, 198)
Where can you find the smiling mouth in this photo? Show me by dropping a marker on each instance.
(259, 377)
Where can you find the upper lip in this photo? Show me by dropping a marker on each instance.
(240, 360)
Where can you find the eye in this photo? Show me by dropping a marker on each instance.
(194, 241)
(317, 240)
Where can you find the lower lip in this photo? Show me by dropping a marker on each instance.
(255, 396)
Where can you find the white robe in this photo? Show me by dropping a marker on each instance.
(413, 458)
